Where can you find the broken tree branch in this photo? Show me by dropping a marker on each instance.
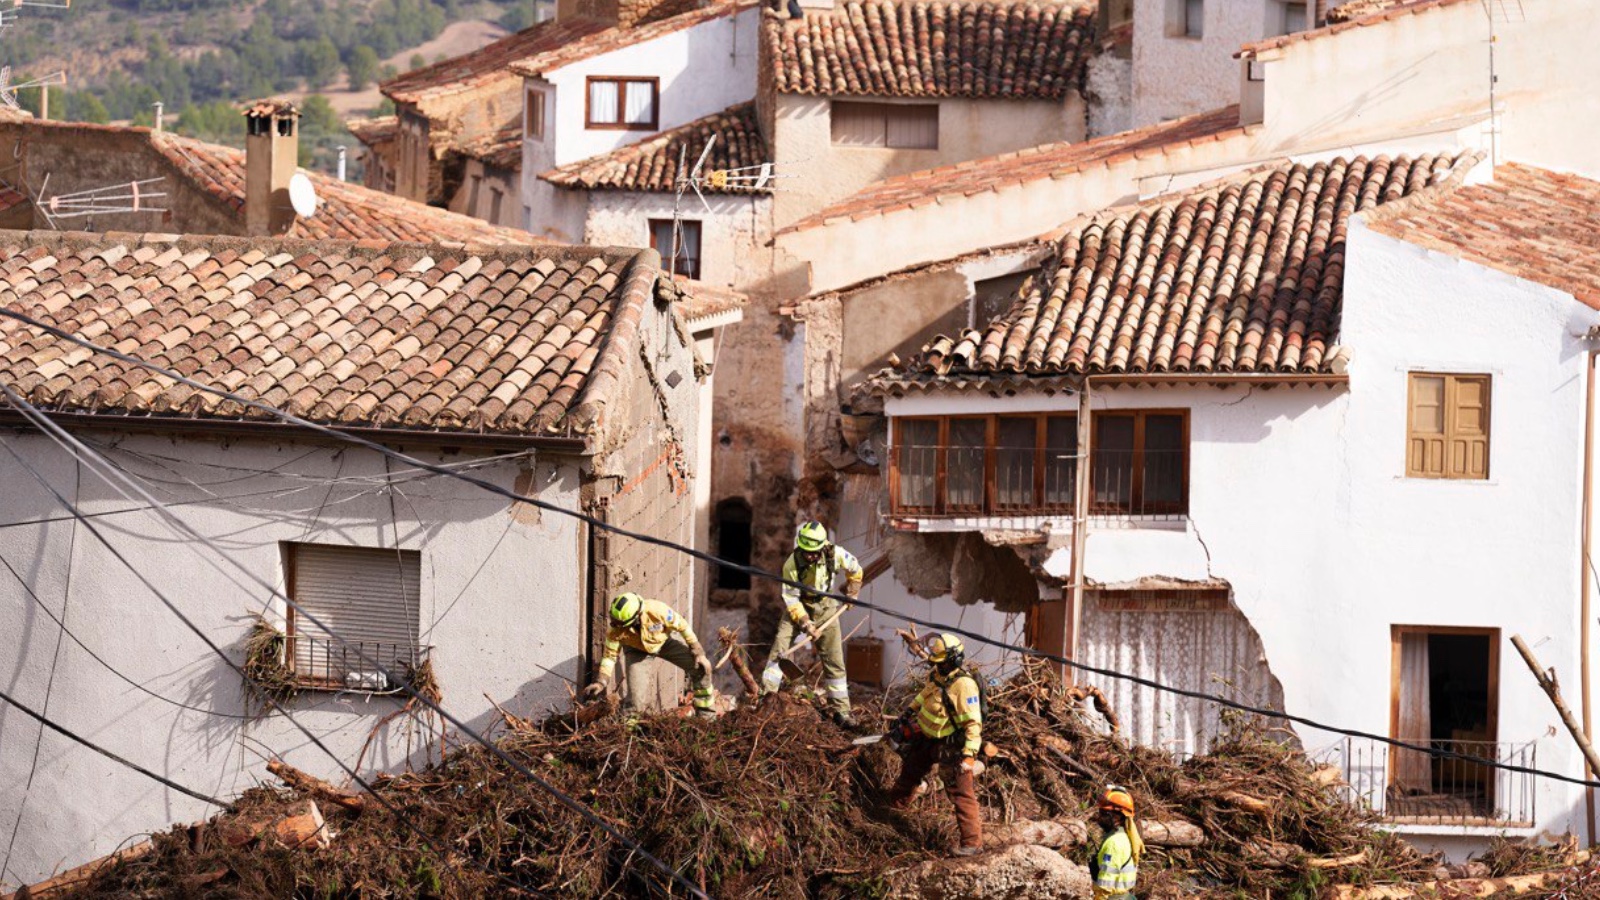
(1081, 692)
(1547, 681)
(729, 639)
(310, 784)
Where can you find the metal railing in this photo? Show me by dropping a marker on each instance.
(1030, 481)
(1410, 787)
(324, 664)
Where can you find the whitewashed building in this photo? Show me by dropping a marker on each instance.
(564, 373)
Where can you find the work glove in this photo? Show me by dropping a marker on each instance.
(810, 628)
(970, 765)
(594, 691)
(852, 589)
(702, 663)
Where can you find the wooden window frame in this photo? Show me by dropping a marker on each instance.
(989, 506)
(693, 262)
(621, 81)
(533, 115)
(1452, 381)
(1136, 504)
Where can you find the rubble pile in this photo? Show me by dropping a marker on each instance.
(768, 801)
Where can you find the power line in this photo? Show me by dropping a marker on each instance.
(754, 571)
(82, 452)
(112, 756)
(444, 856)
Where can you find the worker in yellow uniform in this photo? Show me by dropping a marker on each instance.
(816, 563)
(1116, 866)
(651, 629)
(946, 728)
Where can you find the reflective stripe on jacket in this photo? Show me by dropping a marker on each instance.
(816, 577)
(657, 622)
(1118, 870)
(934, 717)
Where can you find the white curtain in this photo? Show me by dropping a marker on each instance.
(1413, 771)
(641, 102)
(603, 102)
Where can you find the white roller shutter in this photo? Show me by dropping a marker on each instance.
(362, 595)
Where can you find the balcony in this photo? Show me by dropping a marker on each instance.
(1409, 787)
(323, 664)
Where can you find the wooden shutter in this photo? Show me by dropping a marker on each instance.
(362, 595)
(1469, 426)
(858, 124)
(912, 127)
(1425, 429)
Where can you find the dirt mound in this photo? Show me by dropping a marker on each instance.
(769, 801)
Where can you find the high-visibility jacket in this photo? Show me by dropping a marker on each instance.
(932, 708)
(818, 577)
(1117, 869)
(657, 621)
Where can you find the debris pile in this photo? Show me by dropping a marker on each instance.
(768, 801)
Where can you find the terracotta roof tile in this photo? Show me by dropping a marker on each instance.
(1245, 276)
(375, 131)
(491, 62)
(652, 165)
(502, 149)
(1355, 14)
(608, 40)
(1533, 223)
(933, 48)
(1020, 167)
(399, 350)
(346, 210)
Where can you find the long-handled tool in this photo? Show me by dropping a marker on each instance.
(791, 669)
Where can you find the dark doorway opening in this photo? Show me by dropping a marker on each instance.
(733, 523)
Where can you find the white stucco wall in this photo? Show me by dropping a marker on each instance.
(1435, 66)
(490, 179)
(734, 234)
(1175, 75)
(1298, 499)
(703, 70)
(501, 604)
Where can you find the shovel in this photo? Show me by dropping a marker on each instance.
(791, 669)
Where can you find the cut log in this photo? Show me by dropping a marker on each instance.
(1328, 776)
(1461, 887)
(303, 828)
(1246, 802)
(1172, 833)
(74, 878)
(1339, 862)
(309, 784)
(1018, 872)
(1056, 833)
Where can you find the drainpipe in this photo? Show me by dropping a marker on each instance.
(1584, 566)
(1080, 536)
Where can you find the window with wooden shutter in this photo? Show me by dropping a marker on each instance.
(368, 599)
(1447, 433)
(893, 125)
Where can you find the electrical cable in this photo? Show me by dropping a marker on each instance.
(64, 732)
(81, 451)
(754, 571)
(311, 736)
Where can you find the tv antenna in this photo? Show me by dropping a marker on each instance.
(739, 179)
(10, 9)
(302, 196)
(124, 197)
(8, 90)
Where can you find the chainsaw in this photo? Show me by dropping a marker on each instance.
(902, 732)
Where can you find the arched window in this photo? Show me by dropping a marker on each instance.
(733, 542)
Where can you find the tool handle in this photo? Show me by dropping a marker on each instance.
(806, 639)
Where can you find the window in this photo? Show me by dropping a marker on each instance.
(683, 253)
(1141, 462)
(533, 116)
(1186, 18)
(985, 465)
(733, 542)
(623, 103)
(496, 198)
(1286, 17)
(369, 598)
(898, 126)
(991, 297)
(473, 183)
(1447, 435)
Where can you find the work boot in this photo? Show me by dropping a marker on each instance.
(705, 714)
(846, 721)
(968, 851)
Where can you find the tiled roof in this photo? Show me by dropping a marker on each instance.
(374, 131)
(653, 165)
(925, 188)
(934, 48)
(1245, 276)
(611, 39)
(502, 149)
(345, 210)
(697, 300)
(488, 63)
(484, 340)
(1361, 14)
(1533, 223)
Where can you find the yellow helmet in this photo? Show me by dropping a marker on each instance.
(811, 537)
(946, 651)
(626, 608)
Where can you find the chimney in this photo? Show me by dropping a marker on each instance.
(341, 162)
(158, 107)
(271, 155)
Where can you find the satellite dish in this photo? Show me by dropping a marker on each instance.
(302, 196)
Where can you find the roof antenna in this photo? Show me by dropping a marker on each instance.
(735, 180)
(124, 197)
(8, 90)
(10, 8)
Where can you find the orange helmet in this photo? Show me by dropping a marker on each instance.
(1116, 798)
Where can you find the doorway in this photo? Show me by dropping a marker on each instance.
(1444, 694)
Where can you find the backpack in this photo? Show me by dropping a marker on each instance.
(828, 556)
